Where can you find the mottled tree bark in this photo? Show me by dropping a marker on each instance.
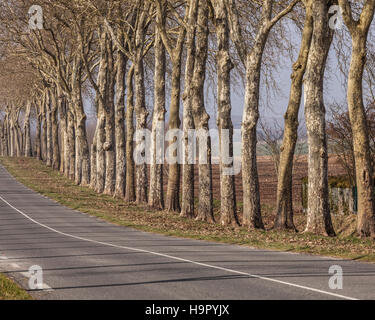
(174, 169)
(93, 154)
(55, 130)
(1, 139)
(44, 128)
(11, 134)
(71, 137)
(49, 150)
(93, 172)
(251, 199)
(6, 136)
(109, 108)
(140, 105)
(100, 153)
(187, 208)
(156, 194)
(201, 117)
(82, 147)
(252, 60)
(284, 202)
(175, 50)
(120, 68)
(141, 124)
(364, 170)
(228, 208)
(2, 149)
(318, 212)
(38, 137)
(28, 145)
(82, 161)
(18, 132)
(64, 164)
(130, 166)
(102, 99)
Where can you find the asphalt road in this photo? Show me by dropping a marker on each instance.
(85, 258)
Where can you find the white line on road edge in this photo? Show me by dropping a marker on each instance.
(180, 259)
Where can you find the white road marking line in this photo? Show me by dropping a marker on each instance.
(181, 259)
(3, 258)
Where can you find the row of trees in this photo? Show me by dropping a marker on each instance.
(130, 54)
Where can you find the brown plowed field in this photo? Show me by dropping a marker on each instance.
(267, 180)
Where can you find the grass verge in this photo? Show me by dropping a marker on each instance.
(54, 185)
(9, 290)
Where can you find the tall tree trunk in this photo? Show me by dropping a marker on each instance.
(140, 108)
(93, 154)
(252, 60)
(175, 50)
(201, 117)
(6, 135)
(28, 144)
(318, 212)
(174, 170)
(141, 124)
(1, 139)
(71, 149)
(55, 130)
(93, 171)
(82, 153)
(156, 195)
(49, 130)
(187, 209)
(18, 134)
(120, 69)
(228, 207)
(100, 153)
(364, 171)
(362, 156)
(9, 131)
(11, 135)
(64, 164)
(251, 199)
(284, 202)
(2, 149)
(102, 99)
(44, 128)
(130, 166)
(38, 137)
(109, 146)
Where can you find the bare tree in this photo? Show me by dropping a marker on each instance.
(252, 61)
(318, 212)
(364, 172)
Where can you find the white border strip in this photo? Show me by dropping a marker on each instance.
(180, 259)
